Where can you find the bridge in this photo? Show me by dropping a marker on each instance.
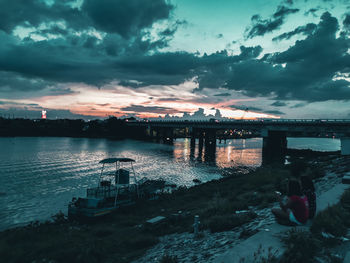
(273, 131)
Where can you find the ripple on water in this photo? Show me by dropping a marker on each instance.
(39, 176)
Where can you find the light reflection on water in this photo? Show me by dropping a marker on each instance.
(39, 176)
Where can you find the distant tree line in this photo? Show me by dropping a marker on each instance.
(112, 128)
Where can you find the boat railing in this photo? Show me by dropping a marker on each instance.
(110, 191)
(101, 192)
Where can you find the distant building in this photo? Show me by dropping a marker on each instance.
(43, 114)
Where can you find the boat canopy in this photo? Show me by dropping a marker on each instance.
(114, 160)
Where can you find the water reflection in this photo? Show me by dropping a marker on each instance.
(232, 153)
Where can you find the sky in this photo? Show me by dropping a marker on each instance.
(173, 58)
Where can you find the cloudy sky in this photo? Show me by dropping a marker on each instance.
(95, 58)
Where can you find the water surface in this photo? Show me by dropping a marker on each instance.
(40, 175)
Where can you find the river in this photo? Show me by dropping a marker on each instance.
(40, 175)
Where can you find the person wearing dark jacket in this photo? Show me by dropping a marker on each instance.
(308, 189)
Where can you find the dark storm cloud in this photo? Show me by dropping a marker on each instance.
(289, 2)
(312, 11)
(283, 11)
(299, 105)
(215, 68)
(125, 17)
(169, 99)
(172, 28)
(279, 104)
(4, 102)
(74, 54)
(222, 95)
(245, 108)
(305, 30)
(149, 109)
(12, 82)
(85, 60)
(346, 21)
(181, 63)
(52, 60)
(304, 71)
(262, 26)
(256, 109)
(31, 13)
(274, 112)
(310, 66)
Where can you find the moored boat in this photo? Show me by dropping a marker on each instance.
(114, 190)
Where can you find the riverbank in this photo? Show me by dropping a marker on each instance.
(125, 236)
(185, 248)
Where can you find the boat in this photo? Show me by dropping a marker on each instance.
(114, 190)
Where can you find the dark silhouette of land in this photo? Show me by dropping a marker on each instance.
(112, 128)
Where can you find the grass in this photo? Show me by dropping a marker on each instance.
(334, 220)
(168, 259)
(221, 223)
(258, 257)
(345, 200)
(301, 246)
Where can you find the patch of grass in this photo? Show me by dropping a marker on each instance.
(345, 200)
(246, 233)
(222, 206)
(334, 220)
(168, 259)
(103, 232)
(317, 172)
(221, 223)
(141, 241)
(301, 246)
(260, 257)
(59, 218)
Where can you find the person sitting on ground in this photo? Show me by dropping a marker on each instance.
(295, 210)
(308, 189)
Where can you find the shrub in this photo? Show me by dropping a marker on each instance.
(333, 220)
(317, 172)
(221, 206)
(142, 241)
(345, 200)
(298, 167)
(168, 259)
(221, 223)
(103, 232)
(59, 218)
(301, 246)
(260, 257)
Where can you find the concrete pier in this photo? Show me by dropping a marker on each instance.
(345, 145)
(274, 146)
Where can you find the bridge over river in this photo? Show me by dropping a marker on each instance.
(273, 131)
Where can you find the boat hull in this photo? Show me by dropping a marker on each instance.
(81, 213)
(77, 212)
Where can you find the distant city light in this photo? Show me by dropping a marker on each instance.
(43, 114)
